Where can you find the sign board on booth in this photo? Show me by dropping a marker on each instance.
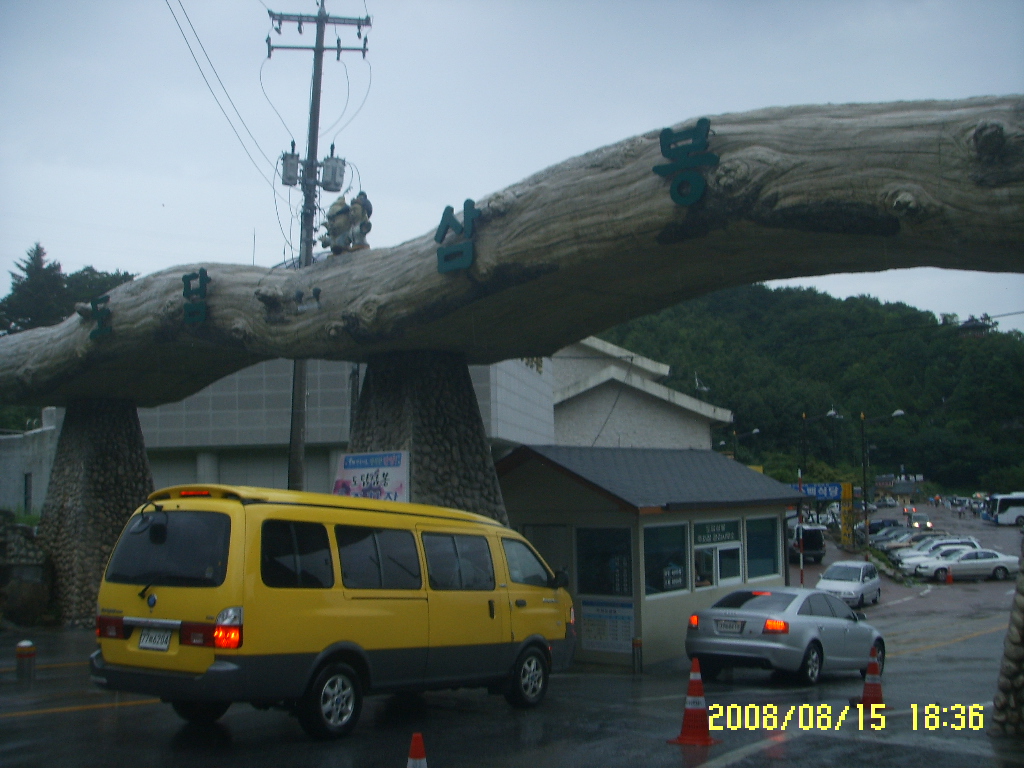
(374, 476)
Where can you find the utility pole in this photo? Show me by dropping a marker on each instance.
(297, 435)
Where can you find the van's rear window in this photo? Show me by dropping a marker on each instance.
(172, 549)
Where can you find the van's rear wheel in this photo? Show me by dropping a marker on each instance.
(202, 712)
(529, 680)
(331, 706)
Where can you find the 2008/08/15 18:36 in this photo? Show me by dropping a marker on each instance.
(810, 717)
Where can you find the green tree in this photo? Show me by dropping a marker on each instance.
(87, 283)
(39, 294)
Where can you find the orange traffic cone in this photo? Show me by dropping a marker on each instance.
(872, 684)
(695, 719)
(417, 753)
(949, 575)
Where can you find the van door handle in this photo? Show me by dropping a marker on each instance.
(520, 603)
(490, 607)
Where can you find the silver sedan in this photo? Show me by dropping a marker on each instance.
(970, 564)
(801, 631)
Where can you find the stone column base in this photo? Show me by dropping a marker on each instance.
(424, 403)
(100, 475)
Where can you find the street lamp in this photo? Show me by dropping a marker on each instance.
(864, 494)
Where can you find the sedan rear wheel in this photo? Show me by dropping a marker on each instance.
(810, 669)
(1000, 573)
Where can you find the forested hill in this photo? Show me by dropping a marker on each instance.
(771, 355)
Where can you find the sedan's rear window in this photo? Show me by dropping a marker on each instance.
(756, 600)
(172, 549)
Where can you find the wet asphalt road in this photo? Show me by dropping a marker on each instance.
(945, 643)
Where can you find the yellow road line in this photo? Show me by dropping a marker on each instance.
(918, 649)
(80, 708)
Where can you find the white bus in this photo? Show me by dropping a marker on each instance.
(1007, 508)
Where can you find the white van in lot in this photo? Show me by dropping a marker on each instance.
(1007, 508)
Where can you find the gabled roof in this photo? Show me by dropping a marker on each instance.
(652, 388)
(669, 479)
(645, 366)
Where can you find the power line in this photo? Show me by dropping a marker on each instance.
(369, 84)
(344, 109)
(223, 87)
(267, 97)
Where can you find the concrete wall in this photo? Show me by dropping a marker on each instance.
(28, 453)
(620, 416)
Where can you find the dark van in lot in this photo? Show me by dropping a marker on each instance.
(813, 541)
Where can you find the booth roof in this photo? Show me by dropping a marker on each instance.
(672, 479)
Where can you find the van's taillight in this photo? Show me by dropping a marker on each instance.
(194, 493)
(694, 621)
(572, 614)
(775, 627)
(226, 633)
(110, 627)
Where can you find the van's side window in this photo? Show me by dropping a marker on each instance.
(377, 558)
(523, 565)
(458, 561)
(295, 554)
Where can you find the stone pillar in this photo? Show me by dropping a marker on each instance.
(423, 402)
(1008, 701)
(100, 475)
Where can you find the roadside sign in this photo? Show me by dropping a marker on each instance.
(823, 491)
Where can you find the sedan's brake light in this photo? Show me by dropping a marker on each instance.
(775, 627)
(694, 621)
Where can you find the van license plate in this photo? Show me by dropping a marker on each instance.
(729, 626)
(154, 639)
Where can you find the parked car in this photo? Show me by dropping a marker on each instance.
(813, 541)
(971, 564)
(801, 631)
(915, 536)
(877, 526)
(887, 534)
(852, 581)
(909, 566)
(928, 545)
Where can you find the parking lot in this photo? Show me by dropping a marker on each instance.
(945, 644)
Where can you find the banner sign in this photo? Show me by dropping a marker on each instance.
(714, 533)
(382, 476)
(606, 625)
(824, 491)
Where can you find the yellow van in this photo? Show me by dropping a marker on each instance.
(216, 594)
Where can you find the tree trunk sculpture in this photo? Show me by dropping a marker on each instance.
(575, 249)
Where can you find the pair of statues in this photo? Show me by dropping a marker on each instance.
(347, 224)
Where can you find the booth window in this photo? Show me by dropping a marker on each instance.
(604, 561)
(762, 547)
(665, 559)
(716, 557)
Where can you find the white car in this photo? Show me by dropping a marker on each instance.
(944, 552)
(970, 564)
(929, 546)
(852, 581)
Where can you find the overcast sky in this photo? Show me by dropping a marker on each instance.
(113, 152)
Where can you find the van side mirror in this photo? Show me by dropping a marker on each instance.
(560, 579)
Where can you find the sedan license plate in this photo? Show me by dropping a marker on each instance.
(154, 639)
(729, 626)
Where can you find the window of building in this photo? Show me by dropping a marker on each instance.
(294, 554)
(377, 558)
(458, 562)
(666, 554)
(716, 556)
(762, 547)
(604, 561)
(524, 567)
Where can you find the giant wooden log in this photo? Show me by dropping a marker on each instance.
(579, 247)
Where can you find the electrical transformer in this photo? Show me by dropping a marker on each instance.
(289, 168)
(333, 174)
